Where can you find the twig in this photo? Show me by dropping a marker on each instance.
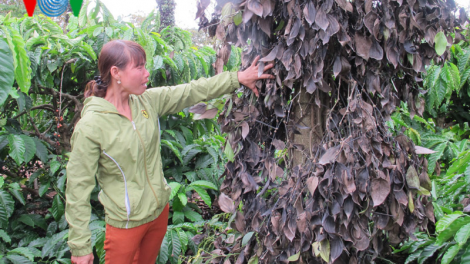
(265, 124)
(35, 192)
(44, 107)
(75, 99)
(9, 173)
(39, 134)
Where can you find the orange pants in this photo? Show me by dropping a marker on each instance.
(138, 245)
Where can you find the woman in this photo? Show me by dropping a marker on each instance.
(118, 141)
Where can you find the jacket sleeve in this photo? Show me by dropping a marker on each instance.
(167, 100)
(81, 171)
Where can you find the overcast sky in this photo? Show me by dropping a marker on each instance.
(184, 13)
(185, 9)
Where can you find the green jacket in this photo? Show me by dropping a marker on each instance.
(125, 157)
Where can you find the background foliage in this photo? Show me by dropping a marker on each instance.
(43, 71)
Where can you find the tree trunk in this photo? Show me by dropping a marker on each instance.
(309, 115)
(167, 12)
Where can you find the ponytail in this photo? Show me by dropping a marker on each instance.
(96, 87)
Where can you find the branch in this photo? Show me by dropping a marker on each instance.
(35, 193)
(75, 99)
(44, 107)
(39, 134)
(9, 173)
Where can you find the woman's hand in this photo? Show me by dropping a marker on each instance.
(249, 76)
(87, 259)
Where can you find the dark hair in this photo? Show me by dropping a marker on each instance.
(117, 53)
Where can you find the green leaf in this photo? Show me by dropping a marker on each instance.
(463, 60)
(176, 243)
(174, 189)
(164, 254)
(246, 238)
(433, 158)
(30, 148)
(38, 220)
(35, 175)
(229, 152)
(191, 215)
(189, 155)
(253, 260)
(413, 256)
(17, 148)
(89, 50)
(204, 184)
(325, 250)
(227, 13)
(26, 219)
(7, 205)
(178, 217)
(3, 141)
(21, 61)
(22, 251)
(5, 236)
(57, 208)
(190, 175)
(452, 229)
(294, 257)
(18, 194)
(61, 182)
(157, 62)
(237, 19)
(440, 90)
(214, 154)
(7, 73)
(183, 198)
(459, 165)
(171, 146)
(44, 188)
(398, 120)
(204, 195)
(440, 42)
(462, 235)
(446, 221)
(39, 242)
(17, 259)
(465, 258)
(454, 75)
(465, 78)
(183, 238)
(55, 166)
(427, 252)
(450, 254)
(41, 150)
(52, 242)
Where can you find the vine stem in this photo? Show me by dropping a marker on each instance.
(60, 91)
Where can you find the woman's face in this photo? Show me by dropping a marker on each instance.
(134, 78)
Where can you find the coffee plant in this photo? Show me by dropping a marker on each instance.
(43, 71)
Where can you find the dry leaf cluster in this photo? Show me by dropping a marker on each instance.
(357, 189)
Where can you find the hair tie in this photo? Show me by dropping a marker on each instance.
(98, 80)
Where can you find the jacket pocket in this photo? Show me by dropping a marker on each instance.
(137, 201)
(126, 200)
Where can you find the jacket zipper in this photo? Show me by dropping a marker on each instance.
(145, 161)
(143, 146)
(126, 197)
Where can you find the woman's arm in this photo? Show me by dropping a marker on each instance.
(81, 171)
(173, 99)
